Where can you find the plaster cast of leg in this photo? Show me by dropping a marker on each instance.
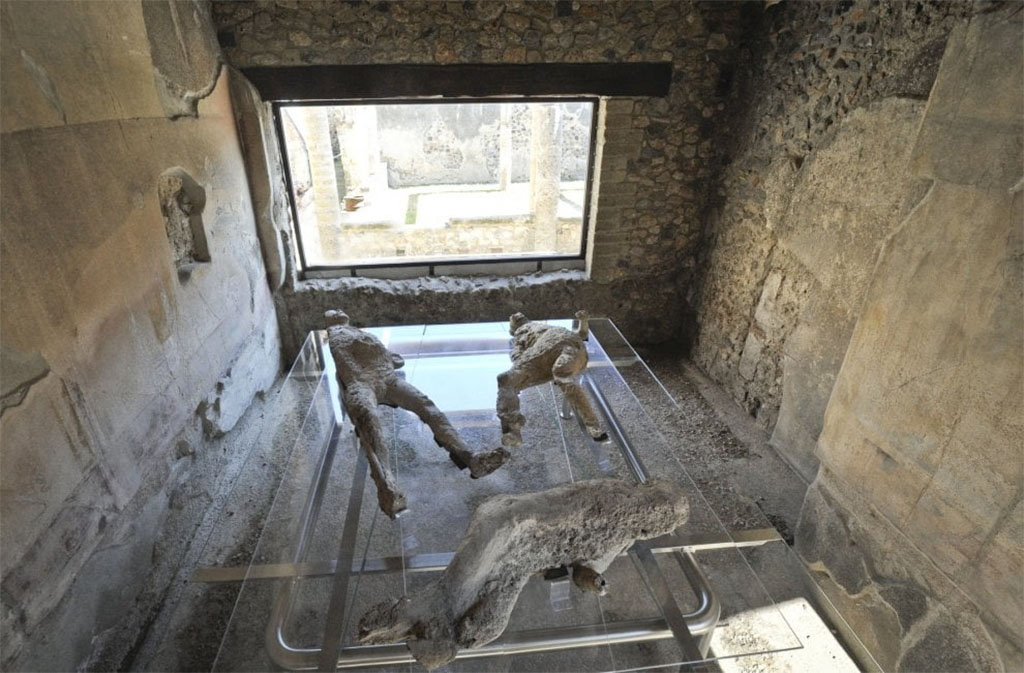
(366, 373)
(583, 526)
(543, 353)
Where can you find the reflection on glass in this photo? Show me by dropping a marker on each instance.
(438, 181)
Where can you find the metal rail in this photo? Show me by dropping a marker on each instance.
(438, 561)
(695, 651)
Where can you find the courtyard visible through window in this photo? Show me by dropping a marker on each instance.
(397, 183)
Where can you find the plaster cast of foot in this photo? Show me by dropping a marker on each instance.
(366, 373)
(581, 526)
(543, 353)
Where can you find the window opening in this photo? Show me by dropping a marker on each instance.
(424, 183)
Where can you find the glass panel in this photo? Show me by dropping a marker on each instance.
(397, 183)
(326, 516)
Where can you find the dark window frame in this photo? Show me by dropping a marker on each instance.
(306, 270)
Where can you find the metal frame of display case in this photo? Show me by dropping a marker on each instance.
(692, 630)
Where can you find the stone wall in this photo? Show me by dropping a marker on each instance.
(118, 355)
(916, 514)
(862, 299)
(658, 155)
(816, 180)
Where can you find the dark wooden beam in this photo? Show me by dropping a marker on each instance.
(346, 82)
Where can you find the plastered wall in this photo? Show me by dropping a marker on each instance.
(820, 123)
(862, 299)
(114, 361)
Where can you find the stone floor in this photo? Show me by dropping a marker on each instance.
(744, 480)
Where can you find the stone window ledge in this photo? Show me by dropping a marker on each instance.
(443, 284)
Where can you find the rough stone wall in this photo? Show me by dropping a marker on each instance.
(862, 298)
(445, 298)
(814, 183)
(915, 519)
(113, 360)
(658, 155)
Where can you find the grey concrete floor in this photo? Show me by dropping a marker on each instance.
(744, 480)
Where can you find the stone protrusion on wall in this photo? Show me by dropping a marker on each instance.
(184, 52)
(264, 169)
(248, 376)
(182, 201)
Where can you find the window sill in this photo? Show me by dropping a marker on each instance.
(440, 284)
(507, 268)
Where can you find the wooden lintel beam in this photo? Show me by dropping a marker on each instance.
(383, 81)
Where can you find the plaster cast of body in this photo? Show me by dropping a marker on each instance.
(542, 353)
(582, 526)
(366, 372)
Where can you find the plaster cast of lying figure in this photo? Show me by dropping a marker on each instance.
(366, 372)
(581, 526)
(542, 353)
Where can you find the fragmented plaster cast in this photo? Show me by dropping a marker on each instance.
(542, 353)
(366, 372)
(581, 526)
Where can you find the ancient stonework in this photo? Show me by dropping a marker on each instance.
(852, 295)
(581, 526)
(366, 373)
(541, 354)
(815, 63)
(655, 167)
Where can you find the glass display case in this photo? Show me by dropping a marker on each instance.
(327, 553)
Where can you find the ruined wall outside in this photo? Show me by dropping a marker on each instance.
(822, 126)
(460, 237)
(657, 158)
(121, 348)
(446, 145)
